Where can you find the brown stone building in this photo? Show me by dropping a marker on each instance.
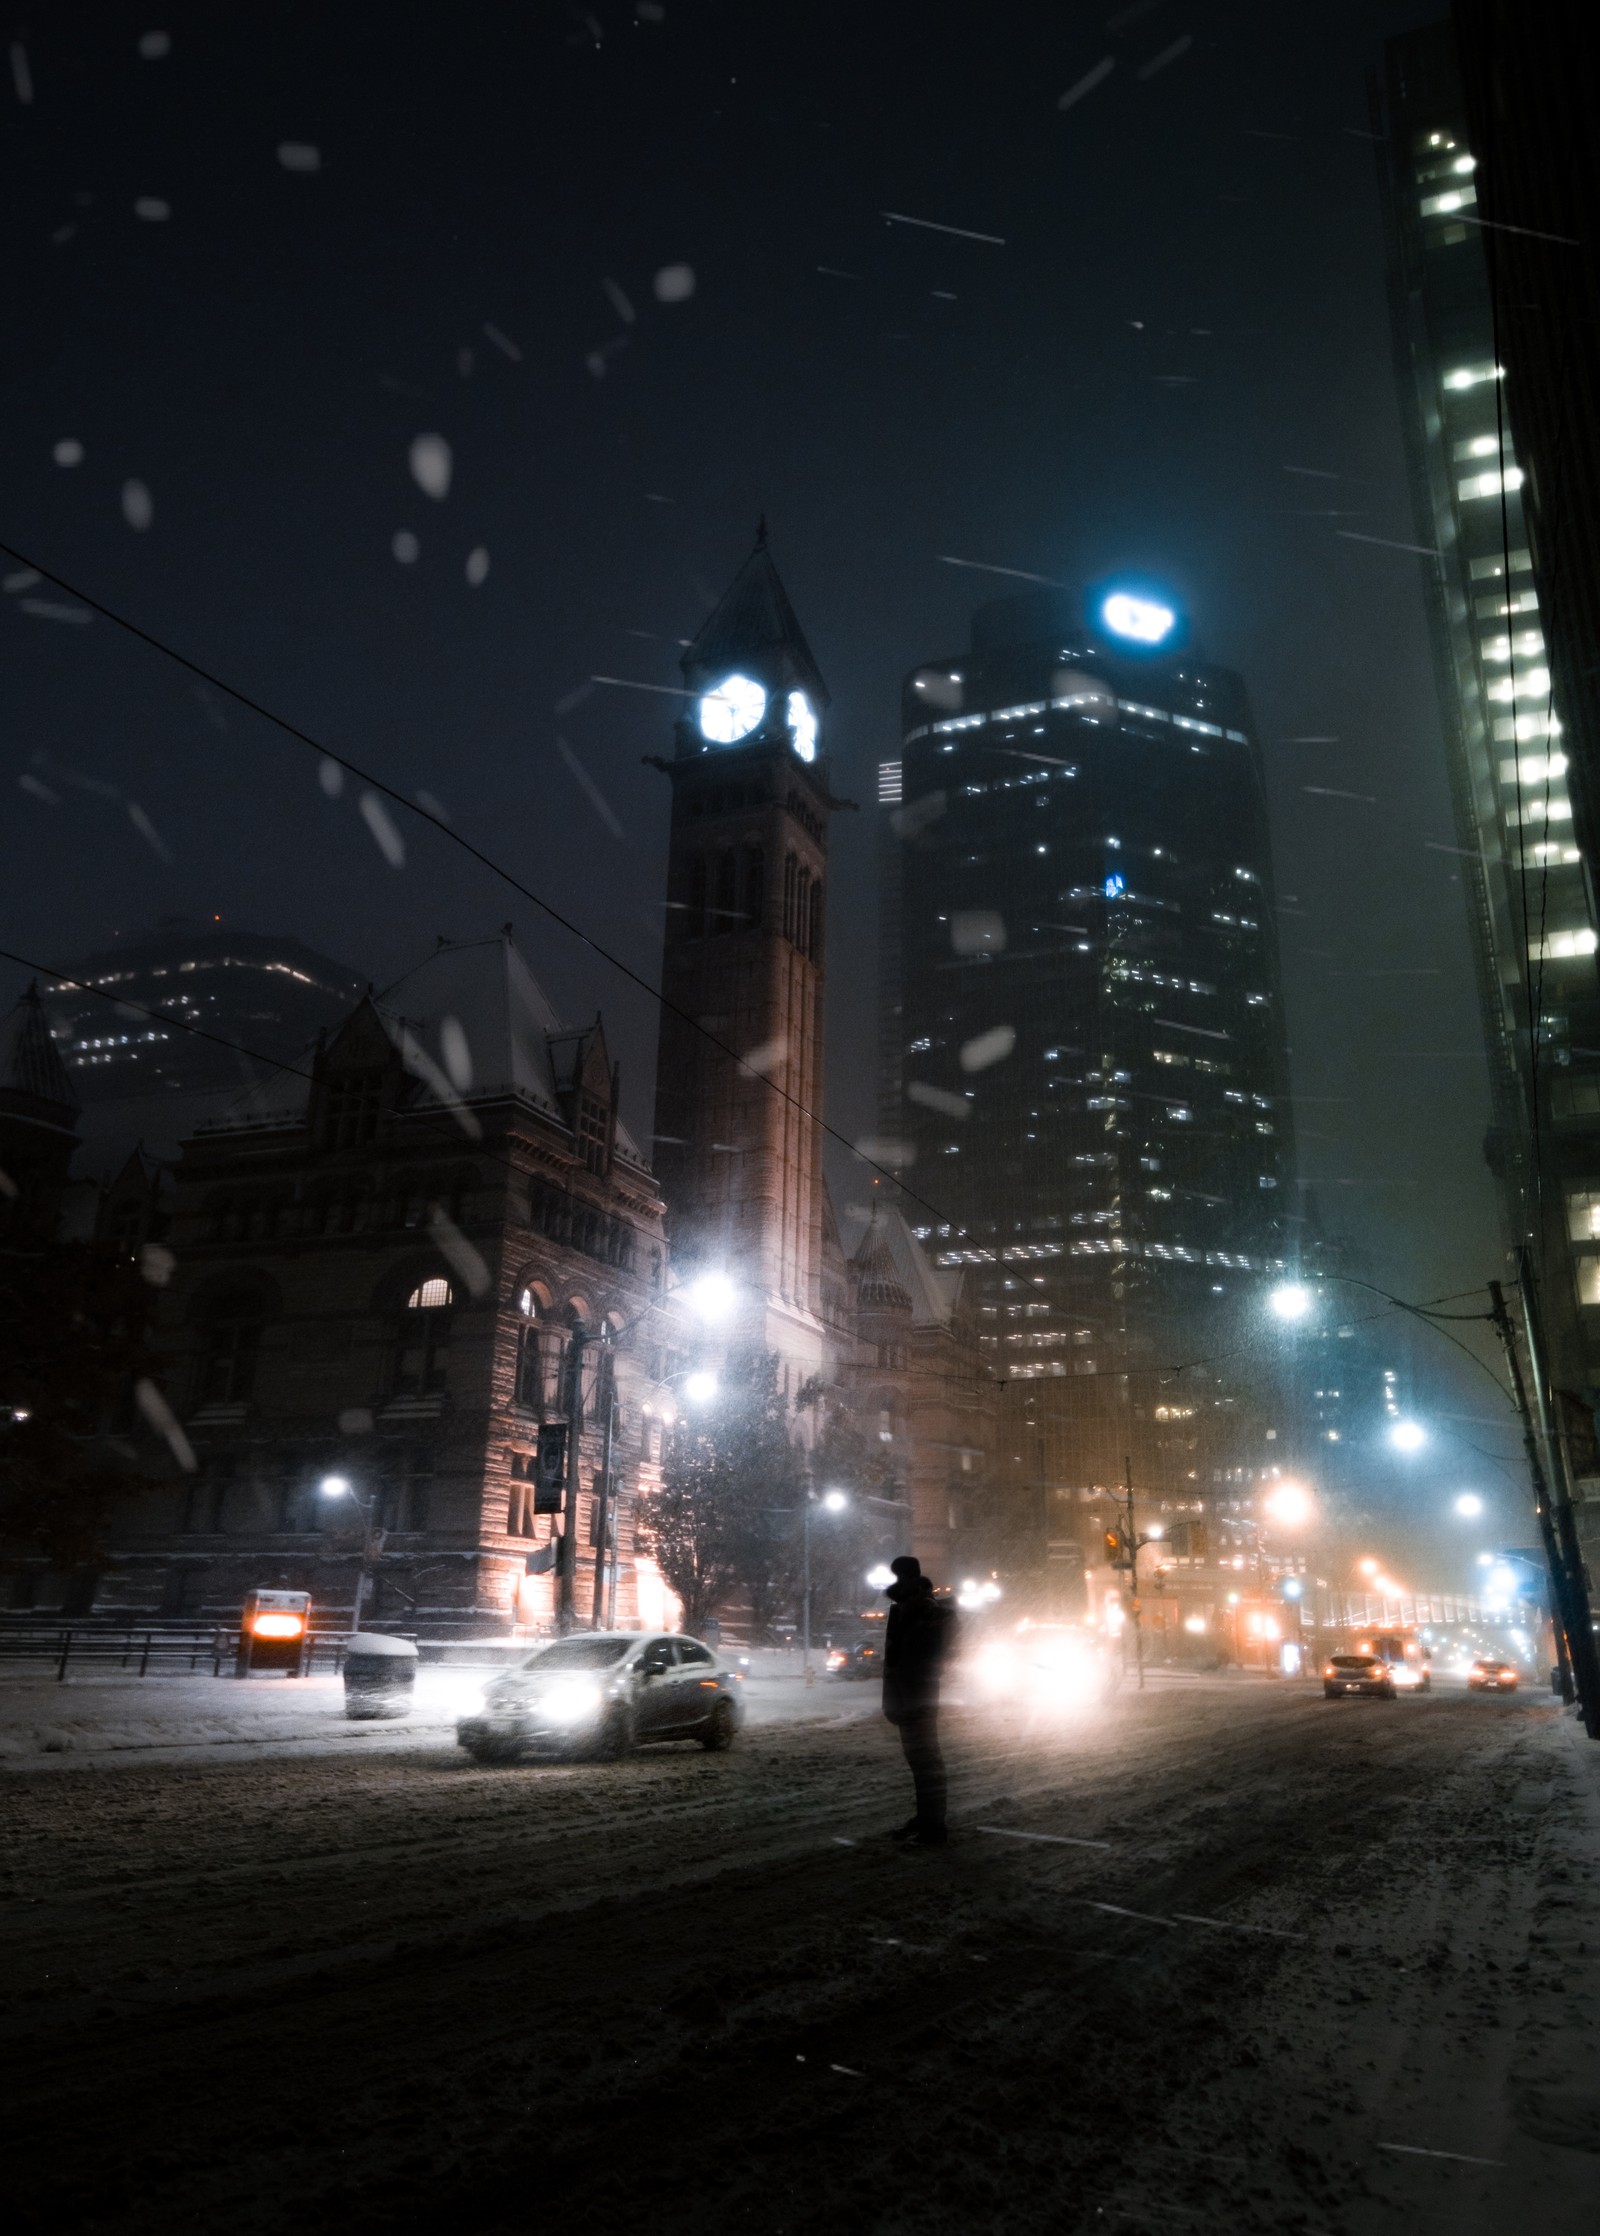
(379, 1263)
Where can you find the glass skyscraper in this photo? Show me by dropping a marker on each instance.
(1507, 726)
(1084, 1071)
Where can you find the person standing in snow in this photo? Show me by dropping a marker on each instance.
(921, 1632)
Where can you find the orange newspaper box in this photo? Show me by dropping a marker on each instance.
(274, 1633)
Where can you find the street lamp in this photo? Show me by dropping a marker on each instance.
(1291, 1300)
(1408, 1436)
(831, 1502)
(1289, 1504)
(1469, 1505)
(340, 1486)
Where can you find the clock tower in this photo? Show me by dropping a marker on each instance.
(738, 1144)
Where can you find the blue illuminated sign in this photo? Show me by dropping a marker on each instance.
(1115, 886)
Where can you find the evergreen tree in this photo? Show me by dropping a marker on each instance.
(726, 1519)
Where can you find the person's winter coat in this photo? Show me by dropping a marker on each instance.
(921, 1633)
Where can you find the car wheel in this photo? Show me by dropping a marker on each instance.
(618, 1736)
(1330, 1692)
(490, 1750)
(1386, 1692)
(720, 1727)
(1427, 1684)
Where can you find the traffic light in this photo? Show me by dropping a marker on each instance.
(1116, 1549)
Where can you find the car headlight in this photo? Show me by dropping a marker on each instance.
(572, 1700)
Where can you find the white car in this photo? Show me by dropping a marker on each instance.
(604, 1693)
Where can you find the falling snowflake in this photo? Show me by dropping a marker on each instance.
(431, 465)
(405, 547)
(674, 283)
(620, 303)
(68, 452)
(299, 155)
(457, 1053)
(988, 1048)
(330, 776)
(382, 826)
(477, 566)
(21, 75)
(152, 209)
(155, 46)
(138, 506)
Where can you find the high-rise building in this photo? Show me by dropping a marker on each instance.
(256, 994)
(1084, 1066)
(738, 1143)
(1514, 717)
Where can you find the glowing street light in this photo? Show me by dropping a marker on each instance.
(1290, 1504)
(1408, 1436)
(881, 1577)
(835, 1501)
(1291, 1300)
(1469, 1505)
(1368, 1567)
(336, 1486)
(700, 1388)
(713, 1297)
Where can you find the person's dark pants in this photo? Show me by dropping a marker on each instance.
(919, 1737)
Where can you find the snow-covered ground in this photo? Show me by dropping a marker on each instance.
(1221, 1959)
(200, 1717)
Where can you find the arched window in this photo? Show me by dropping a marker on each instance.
(229, 1343)
(528, 1389)
(424, 1339)
(754, 884)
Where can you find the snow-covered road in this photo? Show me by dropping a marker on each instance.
(1267, 1963)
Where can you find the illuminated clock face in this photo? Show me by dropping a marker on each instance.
(803, 725)
(732, 710)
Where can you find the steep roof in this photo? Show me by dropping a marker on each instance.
(880, 1286)
(471, 1022)
(753, 625)
(931, 1290)
(30, 1063)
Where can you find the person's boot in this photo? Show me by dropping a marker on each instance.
(908, 1831)
(930, 1836)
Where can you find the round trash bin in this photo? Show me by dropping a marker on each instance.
(380, 1675)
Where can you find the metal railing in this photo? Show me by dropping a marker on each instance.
(145, 1650)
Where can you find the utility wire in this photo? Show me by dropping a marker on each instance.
(487, 861)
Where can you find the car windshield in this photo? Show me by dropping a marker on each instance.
(579, 1653)
(1354, 1661)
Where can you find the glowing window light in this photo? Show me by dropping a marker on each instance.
(1143, 620)
(431, 1296)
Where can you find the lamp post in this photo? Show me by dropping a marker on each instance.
(832, 1502)
(341, 1487)
(713, 1297)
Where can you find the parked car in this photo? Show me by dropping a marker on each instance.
(1357, 1673)
(1487, 1675)
(859, 1657)
(605, 1692)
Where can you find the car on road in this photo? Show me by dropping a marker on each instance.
(856, 1657)
(1487, 1675)
(1042, 1668)
(603, 1693)
(1357, 1673)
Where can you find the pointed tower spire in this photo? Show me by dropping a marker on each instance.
(753, 630)
(30, 1063)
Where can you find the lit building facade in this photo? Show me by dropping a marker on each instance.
(1084, 1067)
(261, 993)
(1509, 731)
